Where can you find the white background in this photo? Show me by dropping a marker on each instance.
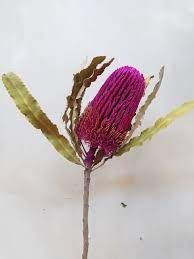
(46, 42)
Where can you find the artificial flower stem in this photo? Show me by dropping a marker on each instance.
(87, 173)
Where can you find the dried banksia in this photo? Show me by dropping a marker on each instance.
(107, 124)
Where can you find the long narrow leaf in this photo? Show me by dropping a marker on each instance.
(150, 98)
(160, 124)
(31, 109)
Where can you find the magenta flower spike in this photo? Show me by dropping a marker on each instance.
(107, 118)
(106, 126)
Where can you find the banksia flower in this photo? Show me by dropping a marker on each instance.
(107, 118)
(106, 125)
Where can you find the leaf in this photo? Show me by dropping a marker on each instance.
(160, 124)
(31, 109)
(144, 107)
(78, 83)
(82, 80)
(150, 98)
(96, 73)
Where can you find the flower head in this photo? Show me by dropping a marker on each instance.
(107, 118)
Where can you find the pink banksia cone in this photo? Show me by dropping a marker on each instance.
(107, 118)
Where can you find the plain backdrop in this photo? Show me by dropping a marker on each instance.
(46, 42)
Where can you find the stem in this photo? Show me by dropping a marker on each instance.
(87, 173)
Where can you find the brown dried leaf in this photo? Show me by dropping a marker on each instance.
(82, 80)
(78, 83)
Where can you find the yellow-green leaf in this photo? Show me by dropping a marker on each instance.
(31, 109)
(160, 124)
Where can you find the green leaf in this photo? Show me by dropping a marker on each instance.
(160, 124)
(31, 109)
